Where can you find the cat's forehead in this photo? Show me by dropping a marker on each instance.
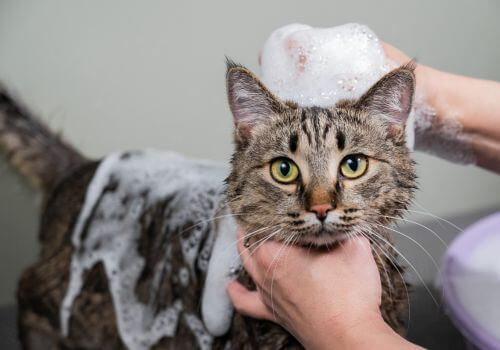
(317, 136)
(314, 129)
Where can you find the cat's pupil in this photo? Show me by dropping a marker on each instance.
(353, 163)
(284, 168)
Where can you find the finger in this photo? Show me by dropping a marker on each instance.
(248, 302)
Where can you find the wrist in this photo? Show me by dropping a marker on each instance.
(362, 335)
(347, 334)
(371, 333)
(375, 334)
(438, 127)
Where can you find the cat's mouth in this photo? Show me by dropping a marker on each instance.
(323, 236)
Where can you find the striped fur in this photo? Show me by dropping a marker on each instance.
(265, 128)
(37, 153)
(317, 140)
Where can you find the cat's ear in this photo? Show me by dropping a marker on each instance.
(250, 101)
(391, 98)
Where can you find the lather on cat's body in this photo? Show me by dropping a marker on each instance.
(136, 247)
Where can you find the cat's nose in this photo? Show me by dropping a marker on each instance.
(321, 210)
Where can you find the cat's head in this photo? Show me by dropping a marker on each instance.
(316, 175)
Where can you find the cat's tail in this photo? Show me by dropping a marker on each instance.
(30, 147)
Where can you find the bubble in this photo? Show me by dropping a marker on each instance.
(164, 174)
(341, 54)
(346, 61)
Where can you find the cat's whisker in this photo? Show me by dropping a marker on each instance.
(397, 268)
(391, 286)
(252, 234)
(262, 241)
(267, 272)
(438, 218)
(430, 214)
(415, 223)
(287, 241)
(237, 259)
(419, 276)
(436, 265)
(388, 280)
(390, 257)
(414, 241)
(201, 222)
(259, 242)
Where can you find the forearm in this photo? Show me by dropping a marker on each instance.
(458, 118)
(466, 118)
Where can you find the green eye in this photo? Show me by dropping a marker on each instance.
(284, 170)
(353, 166)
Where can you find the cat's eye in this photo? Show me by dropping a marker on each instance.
(353, 166)
(284, 170)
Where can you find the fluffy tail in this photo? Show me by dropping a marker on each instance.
(38, 154)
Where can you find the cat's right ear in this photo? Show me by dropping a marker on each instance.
(391, 99)
(251, 103)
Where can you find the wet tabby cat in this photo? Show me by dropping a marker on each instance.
(122, 264)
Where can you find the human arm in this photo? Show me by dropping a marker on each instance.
(462, 122)
(325, 299)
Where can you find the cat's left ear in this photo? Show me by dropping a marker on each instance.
(250, 101)
(391, 98)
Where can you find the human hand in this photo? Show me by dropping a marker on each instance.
(321, 297)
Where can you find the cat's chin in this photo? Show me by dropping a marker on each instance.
(323, 240)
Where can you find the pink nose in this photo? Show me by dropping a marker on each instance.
(321, 210)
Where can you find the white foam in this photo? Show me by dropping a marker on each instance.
(112, 232)
(441, 136)
(216, 307)
(203, 338)
(321, 66)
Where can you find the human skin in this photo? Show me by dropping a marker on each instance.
(337, 304)
(473, 104)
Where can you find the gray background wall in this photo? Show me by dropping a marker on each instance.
(131, 74)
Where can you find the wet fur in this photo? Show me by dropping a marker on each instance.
(317, 139)
(315, 133)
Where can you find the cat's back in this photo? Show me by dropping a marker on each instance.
(126, 244)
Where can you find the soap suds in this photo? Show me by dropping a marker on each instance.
(216, 307)
(184, 276)
(321, 66)
(443, 137)
(203, 338)
(108, 228)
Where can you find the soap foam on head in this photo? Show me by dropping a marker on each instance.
(320, 66)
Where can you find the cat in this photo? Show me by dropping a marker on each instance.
(132, 243)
